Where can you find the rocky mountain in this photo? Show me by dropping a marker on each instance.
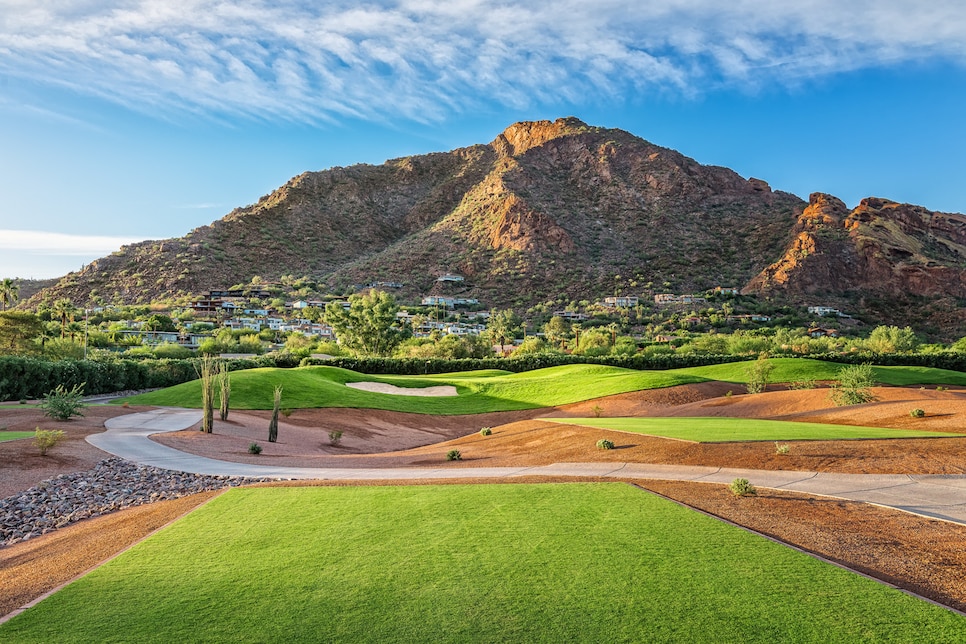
(547, 211)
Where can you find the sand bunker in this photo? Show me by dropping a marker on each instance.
(383, 388)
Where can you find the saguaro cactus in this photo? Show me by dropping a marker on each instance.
(273, 425)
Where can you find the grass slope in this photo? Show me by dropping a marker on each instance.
(488, 563)
(492, 390)
(721, 430)
(12, 436)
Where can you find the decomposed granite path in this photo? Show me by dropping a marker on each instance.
(936, 496)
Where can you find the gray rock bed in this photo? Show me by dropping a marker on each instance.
(113, 484)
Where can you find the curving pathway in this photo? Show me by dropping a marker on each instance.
(935, 496)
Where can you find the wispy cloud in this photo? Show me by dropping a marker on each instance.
(44, 243)
(425, 59)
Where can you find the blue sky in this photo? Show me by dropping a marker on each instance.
(123, 120)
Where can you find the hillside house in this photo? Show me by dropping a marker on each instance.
(824, 311)
(621, 302)
(671, 298)
(725, 290)
(450, 277)
(819, 332)
(571, 315)
(448, 302)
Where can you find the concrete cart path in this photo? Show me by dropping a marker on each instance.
(937, 496)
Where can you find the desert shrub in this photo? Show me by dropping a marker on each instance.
(854, 386)
(917, 413)
(335, 436)
(454, 455)
(598, 410)
(63, 403)
(44, 439)
(254, 448)
(605, 444)
(486, 431)
(742, 487)
(802, 384)
(781, 448)
(758, 374)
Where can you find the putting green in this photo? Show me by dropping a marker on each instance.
(722, 430)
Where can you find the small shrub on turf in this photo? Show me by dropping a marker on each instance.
(605, 444)
(781, 448)
(454, 455)
(742, 487)
(63, 403)
(335, 436)
(254, 448)
(44, 439)
(917, 413)
(486, 431)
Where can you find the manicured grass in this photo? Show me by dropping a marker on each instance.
(797, 369)
(492, 390)
(12, 436)
(721, 430)
(488, 563)
(479, 392)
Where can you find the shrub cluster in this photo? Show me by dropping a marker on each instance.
(605, 444)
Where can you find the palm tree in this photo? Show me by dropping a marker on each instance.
(9, 292)
(66, 310)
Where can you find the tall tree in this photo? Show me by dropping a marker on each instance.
(557, 331)
(9, 292)
(18, 332)
(368, 326)
(65, 310)
(502, 326)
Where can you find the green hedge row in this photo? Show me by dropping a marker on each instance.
(28, 378)
(418, 366)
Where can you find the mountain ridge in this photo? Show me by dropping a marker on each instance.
(551, 210)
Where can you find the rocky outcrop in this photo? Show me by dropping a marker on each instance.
(879, 248)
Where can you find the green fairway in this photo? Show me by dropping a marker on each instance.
(721, 430)
(12, 436)
(492, 390)
(798, 369)
(488, 563)
(479, 392)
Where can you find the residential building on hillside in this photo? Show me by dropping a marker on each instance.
(824, 311)
(622, 301)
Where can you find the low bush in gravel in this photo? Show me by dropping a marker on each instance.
(605, 444)
(44, 439)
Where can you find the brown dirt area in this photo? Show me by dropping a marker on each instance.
(923, 555)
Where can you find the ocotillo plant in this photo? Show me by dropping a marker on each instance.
(273, 426)
(207, 375)
(225, 381)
